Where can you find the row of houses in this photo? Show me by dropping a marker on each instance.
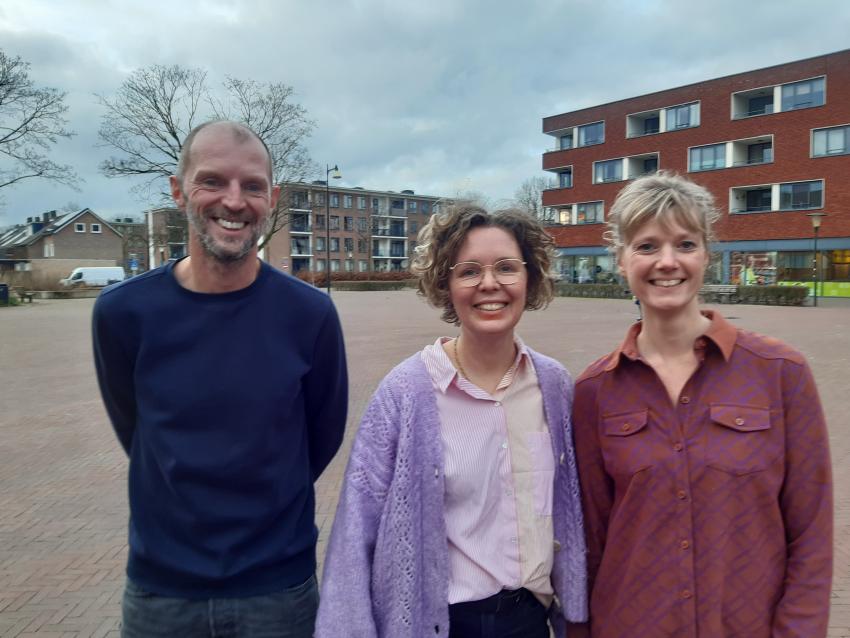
(340, 229)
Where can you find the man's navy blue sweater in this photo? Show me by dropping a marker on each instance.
(229, 407)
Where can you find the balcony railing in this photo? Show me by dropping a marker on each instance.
(299, 227)
(767, 109)
(753, 209)
(388, 232)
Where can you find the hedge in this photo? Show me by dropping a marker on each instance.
(773, 295)
(606, 291)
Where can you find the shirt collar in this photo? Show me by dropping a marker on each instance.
(720, 332)
(444, 371)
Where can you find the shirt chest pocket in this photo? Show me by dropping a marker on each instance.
(740, 440)
(624, 439)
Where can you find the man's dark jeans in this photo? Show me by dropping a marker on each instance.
(290, 613)
(516, 614)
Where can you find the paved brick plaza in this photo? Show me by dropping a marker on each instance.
(63, 511)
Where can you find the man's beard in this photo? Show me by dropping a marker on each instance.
(224, 252)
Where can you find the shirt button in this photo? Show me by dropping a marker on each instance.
(686, 593)
(556, 545)
(739, 421)
(513, 539)
(678, 447)
(685, 399)
(505, 445)
(626, 427)
(685, 544)
(508, 492)
(497, 404)
(681, 494)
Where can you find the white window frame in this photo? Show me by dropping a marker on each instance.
(584, 126)
(826, 129)
(95, 228)
(804, 80)
(598, 163)
(802, 181)
(79, 227)
(667, 128)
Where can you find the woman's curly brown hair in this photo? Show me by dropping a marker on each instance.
(442, 237)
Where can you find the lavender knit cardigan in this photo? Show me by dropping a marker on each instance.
(386, 568)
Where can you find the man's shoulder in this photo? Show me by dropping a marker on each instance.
(285, 283)
(139, 287)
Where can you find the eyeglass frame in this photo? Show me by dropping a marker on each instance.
(472, 282)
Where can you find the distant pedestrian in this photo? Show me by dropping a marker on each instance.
(460, 511)
(225, 381)
(702, 452)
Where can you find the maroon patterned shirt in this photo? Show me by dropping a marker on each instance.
(711, 517)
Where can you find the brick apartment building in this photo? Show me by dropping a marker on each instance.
(369, 230)
(772, 145)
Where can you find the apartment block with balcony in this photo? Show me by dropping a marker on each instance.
(772, 145)
(347, 229)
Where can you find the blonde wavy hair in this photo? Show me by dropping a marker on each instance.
(663, 197)
(440, 240)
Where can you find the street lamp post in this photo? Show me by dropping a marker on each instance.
(336, 175)
(816, 220)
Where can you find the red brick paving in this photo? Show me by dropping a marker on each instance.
(63, 511)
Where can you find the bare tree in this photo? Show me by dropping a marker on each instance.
(32, 121)
(529, 196)
(152, 113)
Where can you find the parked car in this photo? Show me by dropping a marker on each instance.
(93, 276)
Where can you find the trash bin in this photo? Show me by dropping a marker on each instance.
(4, 294)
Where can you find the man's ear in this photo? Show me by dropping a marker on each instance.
(177, 192)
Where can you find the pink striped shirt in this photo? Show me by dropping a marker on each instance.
(499, 471)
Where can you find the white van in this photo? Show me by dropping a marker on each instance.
(93, 276)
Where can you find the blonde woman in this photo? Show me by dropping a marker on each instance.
(702, 451)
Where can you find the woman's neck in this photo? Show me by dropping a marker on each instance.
(671, 335)
(483, 360)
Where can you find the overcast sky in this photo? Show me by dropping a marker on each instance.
(438, 96)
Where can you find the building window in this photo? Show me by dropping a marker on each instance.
(48, 248)
(79, 228)
(348, 243)
(361, 246)
(361, 202)
(685, 116)
(320, 244)
(334, 244)
(300, 246)
(334, 200)
(362, 224)
(334, 265)
(589, 213)
(349, 265)
(363, 264)
(608, 171)
(348, 223)
(425, 208)
(320, 265)
(801, 195)
(831, 141)
(758, 200)
(565, 178)
(760, 153)
(565, 142)
(334, 222)
(590, 134)
(320, 221)
(348, 201)
(398, 204)
(411, 205)
(650, 165)
(802, 95)
(414, 226)
(95, 228)
(320, 199)
(708, 158)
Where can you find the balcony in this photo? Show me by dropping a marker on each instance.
(753, 151)
(300, 227)
(752, 103)
(397, 231)
(640, 124)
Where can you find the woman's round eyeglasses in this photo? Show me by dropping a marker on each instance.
(470, 273)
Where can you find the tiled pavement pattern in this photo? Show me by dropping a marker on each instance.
(62, 474)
